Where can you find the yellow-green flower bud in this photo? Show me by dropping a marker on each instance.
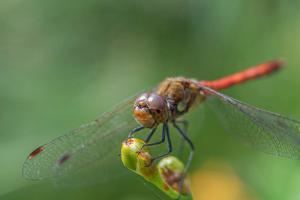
(166, 175)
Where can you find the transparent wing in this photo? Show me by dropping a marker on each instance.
(90, 152)
(263, 130)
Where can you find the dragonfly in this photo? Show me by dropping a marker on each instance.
(91, 151)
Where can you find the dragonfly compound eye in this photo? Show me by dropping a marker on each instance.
(150, 109)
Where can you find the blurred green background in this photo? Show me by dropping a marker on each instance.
(63, 63)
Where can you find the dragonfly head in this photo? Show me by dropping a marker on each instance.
(150, 109)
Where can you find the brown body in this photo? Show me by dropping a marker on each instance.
(180, 94)
(172, 98)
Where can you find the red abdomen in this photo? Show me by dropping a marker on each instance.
(240, 77)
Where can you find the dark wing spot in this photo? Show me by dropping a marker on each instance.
(36, 152)
(63, 159)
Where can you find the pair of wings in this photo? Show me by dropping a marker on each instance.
(91, 152)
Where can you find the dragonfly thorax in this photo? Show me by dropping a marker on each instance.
(181, 94)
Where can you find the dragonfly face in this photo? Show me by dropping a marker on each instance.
(150, 110)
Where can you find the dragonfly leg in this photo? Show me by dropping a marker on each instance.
(185, 125)
(150, 134)
(170, 147)
(135, 130)
(163, 136)
(188, 163)
(184, 122)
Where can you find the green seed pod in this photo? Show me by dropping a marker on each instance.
(129, 152)
(166, 175)
(171, 170)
